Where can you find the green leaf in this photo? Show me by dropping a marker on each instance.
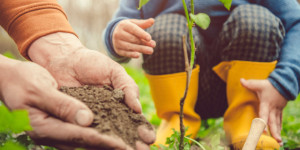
(12, 146)
(227, 3)
(5, 119)
(9, 55)
(16, 121)
(142, 3)
(201, 19)
(20, 122)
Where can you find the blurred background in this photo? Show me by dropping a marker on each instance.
(87, 17)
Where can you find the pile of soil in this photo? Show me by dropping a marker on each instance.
(112, 115)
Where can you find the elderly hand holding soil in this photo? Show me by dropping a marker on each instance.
(37, 93)
(63, 55)
(43, 34)
(26, 85)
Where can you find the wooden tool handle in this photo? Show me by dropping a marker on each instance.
(257, 127)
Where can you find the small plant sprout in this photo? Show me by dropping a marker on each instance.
(203, 21)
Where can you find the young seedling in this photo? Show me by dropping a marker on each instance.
(203, 21)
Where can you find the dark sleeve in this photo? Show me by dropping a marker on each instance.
(286, 76)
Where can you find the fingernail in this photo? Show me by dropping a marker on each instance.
(153, 43)
(83, 118)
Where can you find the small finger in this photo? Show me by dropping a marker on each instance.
(253, 85)
(263, 112)
(143, 23)
(279, 124)
(65, 107)
(137, 31)
(134, 47)
(147, 135)
(125, 36)
(129, 54)
(278, 121)
(151, 43)
(273, 126)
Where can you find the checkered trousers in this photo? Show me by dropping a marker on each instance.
(250, 33)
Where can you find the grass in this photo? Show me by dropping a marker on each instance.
(211, 134)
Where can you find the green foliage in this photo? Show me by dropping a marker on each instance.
(142, 3)
(9, 145)
(291, 125)
(227, 3)
(145, 96)
(173, 142)
(16, 121)
(201, 19)
(12, 122)
(211, 134)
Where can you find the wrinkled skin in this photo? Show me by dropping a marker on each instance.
(57, 119)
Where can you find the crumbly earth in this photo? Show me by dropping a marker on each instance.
(112, 115)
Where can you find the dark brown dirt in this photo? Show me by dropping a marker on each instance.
(112, 115)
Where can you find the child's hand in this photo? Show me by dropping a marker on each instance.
(270, 106)
(129, 39)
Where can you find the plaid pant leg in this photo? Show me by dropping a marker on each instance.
(168, 54)
(251, 33)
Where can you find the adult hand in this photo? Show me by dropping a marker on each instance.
(271, 104)
(71, 64)
(130, 39)
(56, 119)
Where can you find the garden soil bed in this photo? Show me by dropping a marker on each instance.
(112, 115)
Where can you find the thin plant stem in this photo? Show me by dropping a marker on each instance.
(192, 7)
(190, 29)
(188, 67)
(186, 11)
(188, 70)
(200, 145)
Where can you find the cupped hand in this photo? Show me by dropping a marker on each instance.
(130, 39)
(71, 64)
(271, 104)
(56, 119)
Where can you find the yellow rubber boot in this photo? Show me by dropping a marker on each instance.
(242, 103)
(166, 91)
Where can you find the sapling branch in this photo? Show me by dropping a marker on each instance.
(190, 23)
(188, 70)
